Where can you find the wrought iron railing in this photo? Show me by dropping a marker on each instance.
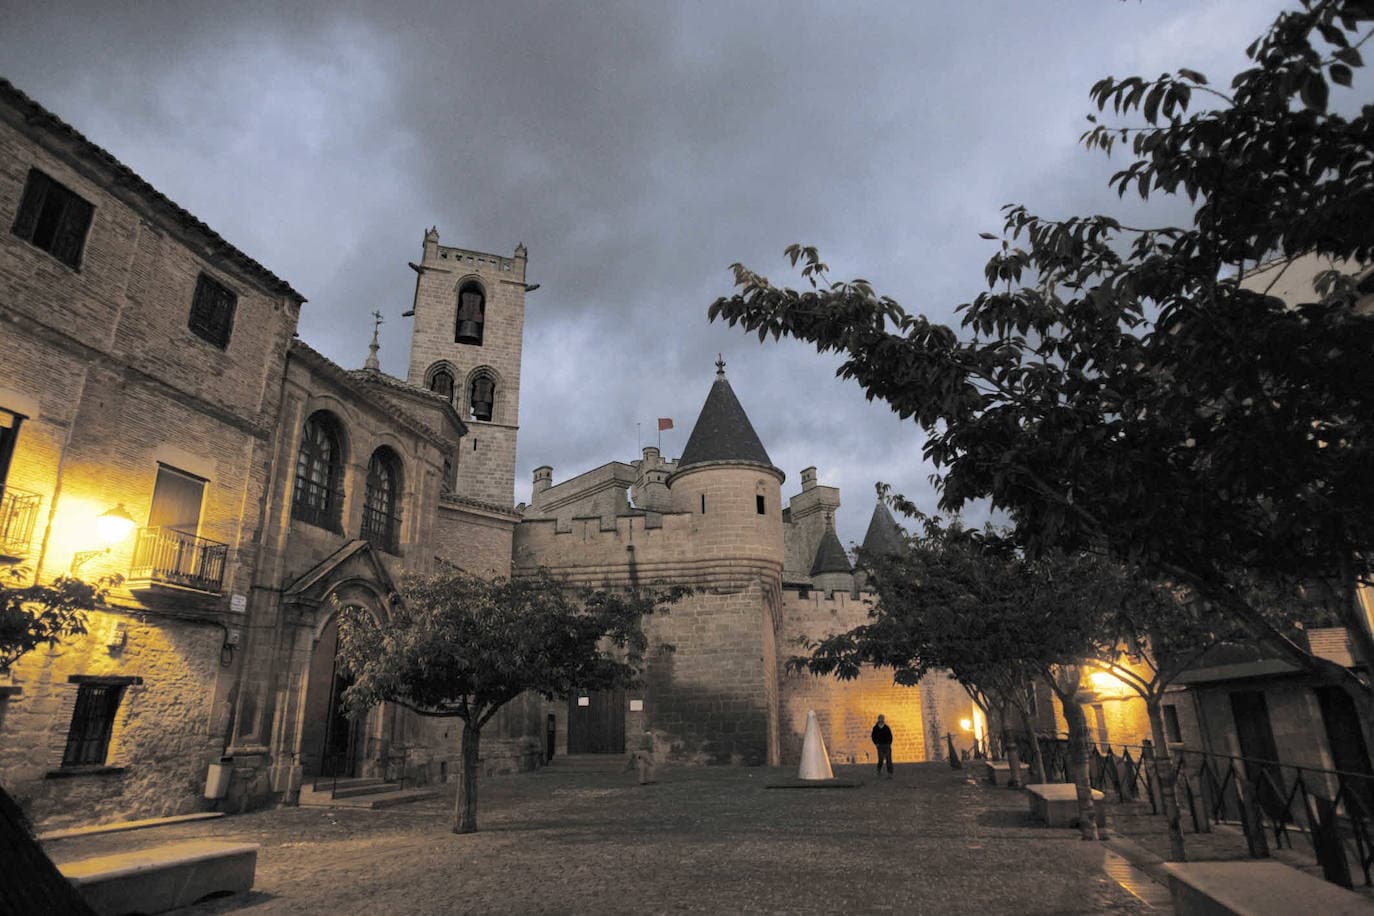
(18, 512)
(1269, 801)
(381, 528)
(170, 557)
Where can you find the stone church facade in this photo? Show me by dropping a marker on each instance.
(150, 376)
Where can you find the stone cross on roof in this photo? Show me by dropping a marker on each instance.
(371, 362)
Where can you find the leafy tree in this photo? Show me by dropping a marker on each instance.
(1138, 389)
(966, 602)
(36, 615)
(456, 645)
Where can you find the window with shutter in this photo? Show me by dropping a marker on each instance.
(93, 717)
(52, 217)
(212, 312)
(177, 498)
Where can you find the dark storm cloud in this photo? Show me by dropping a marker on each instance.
(637, 149)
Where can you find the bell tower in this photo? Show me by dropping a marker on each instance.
(466, 344)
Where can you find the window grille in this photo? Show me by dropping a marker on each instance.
(88, 740)
(319, 476)
(52, 217)
(381, 520)
(212, 312)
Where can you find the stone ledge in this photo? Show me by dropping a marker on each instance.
(70, 772)
(163, 877)
(119, 826)
(1256, 888)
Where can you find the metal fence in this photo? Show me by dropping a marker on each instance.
(1271, 802)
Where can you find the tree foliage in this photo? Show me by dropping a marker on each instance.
(1134, 389)
(460, 646)
(36, 615)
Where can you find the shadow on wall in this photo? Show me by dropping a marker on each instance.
(705, 727)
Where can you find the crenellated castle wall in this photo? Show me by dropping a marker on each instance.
(845, 710)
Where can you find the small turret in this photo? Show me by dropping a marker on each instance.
(830, 571)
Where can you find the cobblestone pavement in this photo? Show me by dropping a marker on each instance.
(698, 841)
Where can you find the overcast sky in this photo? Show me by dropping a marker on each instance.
(637, 149)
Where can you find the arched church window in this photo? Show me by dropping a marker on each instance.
(482, 398)
(472, 308)
(381, 505)
(441, 382)
(318, 498)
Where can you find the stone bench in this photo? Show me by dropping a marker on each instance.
(997, 772)
(162, 877)
(1256, 888)
(1056, 803)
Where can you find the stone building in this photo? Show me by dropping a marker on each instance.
(765, 573)
(149, 376)
(151, 381)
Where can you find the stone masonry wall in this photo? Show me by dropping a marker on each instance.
(845, 710)
(167, 729)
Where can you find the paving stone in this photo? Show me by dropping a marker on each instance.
(700, 840)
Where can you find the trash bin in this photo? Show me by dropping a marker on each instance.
(217, 780)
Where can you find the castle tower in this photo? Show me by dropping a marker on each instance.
(719, 695)
(726, 477)
(466, 343)
(830, 570)
(883, 537)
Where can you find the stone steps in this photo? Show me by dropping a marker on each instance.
(362, 793)
(587, 763)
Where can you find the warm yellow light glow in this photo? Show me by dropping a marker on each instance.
(114, 525)
(1103, 680)
(966, 724)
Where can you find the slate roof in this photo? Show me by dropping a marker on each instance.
(830, 555)
(723, 431)
(883, 536)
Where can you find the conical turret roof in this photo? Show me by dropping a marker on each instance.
(830, 555)
(723, 431)
(883, 536)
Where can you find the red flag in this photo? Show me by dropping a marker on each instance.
(664, 423)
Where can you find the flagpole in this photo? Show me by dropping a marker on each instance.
(639, 439)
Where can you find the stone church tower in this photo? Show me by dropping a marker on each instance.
(466, 344)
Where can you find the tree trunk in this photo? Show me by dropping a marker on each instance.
(1168, 783)
(1037, 756)
(1078, 757)
(465, 811)
(1013, 753)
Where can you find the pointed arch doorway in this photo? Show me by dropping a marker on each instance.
(332, 743)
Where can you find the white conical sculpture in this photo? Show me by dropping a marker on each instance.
(815, 762)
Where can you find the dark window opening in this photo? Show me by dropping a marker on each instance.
(703, 504)
(758, 504)
(53, 218)
(483, 397)
(474, 445)
(212, 312)
(472, 308)
(441, 382)
(9, 435)
(88, 739)
(319, 475)
(381, 515)
(450, 479)
(1172, 733)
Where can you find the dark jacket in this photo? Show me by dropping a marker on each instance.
(882, 734)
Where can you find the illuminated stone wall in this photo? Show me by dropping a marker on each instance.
(845, 710)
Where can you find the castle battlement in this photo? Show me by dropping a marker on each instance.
(475, 258)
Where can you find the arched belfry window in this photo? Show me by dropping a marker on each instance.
(441, 382)
(482, 397)
(319, 473)
(381, 504)
(472, 310)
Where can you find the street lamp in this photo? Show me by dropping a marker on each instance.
(112, 526)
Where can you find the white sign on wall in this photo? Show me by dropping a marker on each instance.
(584, 701)
(636, 706)
(238, 603)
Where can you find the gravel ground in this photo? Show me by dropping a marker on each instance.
(712, 840)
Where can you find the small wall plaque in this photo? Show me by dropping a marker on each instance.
(584, 701)
(238, 603)
(636, 706)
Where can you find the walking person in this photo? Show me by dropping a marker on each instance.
(882, 740)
